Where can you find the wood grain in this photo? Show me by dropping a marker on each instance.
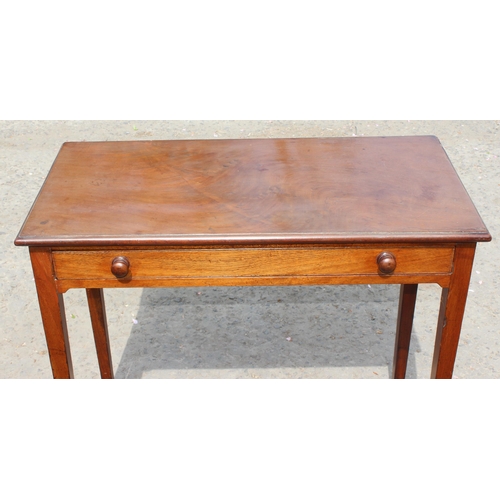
(255, 262)
(407, 300)
(310, 190)
(355, 279)
(53, 315)
(97, 309)
(453, 300)
(315, 211)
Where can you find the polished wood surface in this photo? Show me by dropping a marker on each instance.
(453, 300)
(359, 189)
(386, 262)
(247, 262)
(97, 309)
(51, 304)
(407, 300)
(64, 285)
(120, 266)
(386, 210)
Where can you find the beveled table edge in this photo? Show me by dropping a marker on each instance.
(263, 239)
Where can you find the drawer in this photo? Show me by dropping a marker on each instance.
(251, 262)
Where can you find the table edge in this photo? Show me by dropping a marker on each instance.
(269, 239)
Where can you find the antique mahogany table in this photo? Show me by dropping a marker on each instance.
(360, 210)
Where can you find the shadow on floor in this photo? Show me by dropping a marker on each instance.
(293, 327)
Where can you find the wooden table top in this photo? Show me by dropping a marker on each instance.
(245, 191)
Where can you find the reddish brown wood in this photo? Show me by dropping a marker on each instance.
(120, 267)
(53, 315)
(442, 280)
(310, 260)
(386, 263)
(304, 190)
(95, 297)
(252, 212)
(407, 299)
(453, 300)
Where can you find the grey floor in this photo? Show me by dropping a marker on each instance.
(261, 332)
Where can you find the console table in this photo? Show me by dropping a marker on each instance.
(305, 211)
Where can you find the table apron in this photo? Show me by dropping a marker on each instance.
(252, 266)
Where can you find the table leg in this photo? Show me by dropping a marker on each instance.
(53, 315)
(451, 313)
(407, 299)
(95, 298)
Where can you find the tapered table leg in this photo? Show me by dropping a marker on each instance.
(52, 310)
(453, 300)
(95, 297)
(407, 299)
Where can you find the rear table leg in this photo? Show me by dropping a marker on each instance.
(407, 299)
(95, 298)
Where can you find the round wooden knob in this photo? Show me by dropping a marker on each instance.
(386, 262)
(120, 267)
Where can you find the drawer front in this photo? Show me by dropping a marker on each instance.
(248, 262)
